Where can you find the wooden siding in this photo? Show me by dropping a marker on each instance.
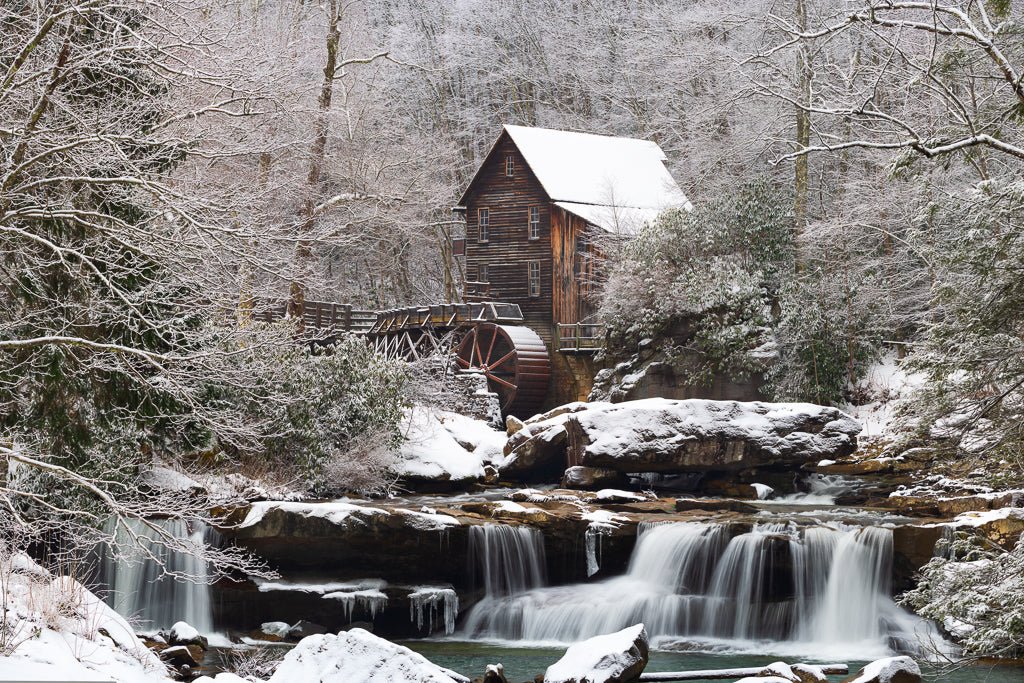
(509, 247)
(574, 257)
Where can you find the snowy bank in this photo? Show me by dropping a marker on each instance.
(445, 446)
(59, 630)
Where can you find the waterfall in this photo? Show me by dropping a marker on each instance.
(136, 575)
(691, 582)
(510, 558)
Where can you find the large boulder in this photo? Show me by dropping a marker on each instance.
(888, 670)
(613, 658)
(357, 655)
(663, 435)
(536, 448)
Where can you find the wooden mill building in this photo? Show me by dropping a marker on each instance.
(532, 211)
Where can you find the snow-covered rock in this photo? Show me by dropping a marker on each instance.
(888, 670)
(612, 658)
(62, 631)
(357, 655)
(276, 628)
(578, 477)
(225, 677)
(182, 633)
(445, 446)
(663, 435)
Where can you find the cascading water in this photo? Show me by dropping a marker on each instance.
(153, 585)
(691, 582)
(510, 558)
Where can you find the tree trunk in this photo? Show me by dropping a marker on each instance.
(321, 127)
(803, 132)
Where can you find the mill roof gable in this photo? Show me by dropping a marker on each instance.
(615, 183)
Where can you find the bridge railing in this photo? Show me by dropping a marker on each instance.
(323, 315)
(579, 337)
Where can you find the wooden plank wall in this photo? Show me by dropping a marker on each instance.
(509, 248)
(575, 257)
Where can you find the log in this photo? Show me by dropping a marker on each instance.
(721, 674)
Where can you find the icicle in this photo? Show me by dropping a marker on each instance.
(428, 599)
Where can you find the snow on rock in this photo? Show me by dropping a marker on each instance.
(889, 670)
(335, 513)
(610, 658)
(61, 631)
(618, 496)
(182, 633)
(764, 492)
(356, 655)
(601, 523)
(441, 445)
(276, 628)
(429, 520)
(225, 677)
(662, 435)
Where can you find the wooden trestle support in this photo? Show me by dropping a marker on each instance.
(486, 337)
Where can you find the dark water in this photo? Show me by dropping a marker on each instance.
(522, 664)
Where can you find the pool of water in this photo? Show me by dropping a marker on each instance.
(523, 663)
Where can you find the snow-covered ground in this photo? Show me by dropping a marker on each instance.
(886, 383)
(53, 629)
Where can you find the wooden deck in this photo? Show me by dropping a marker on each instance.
(580, 337)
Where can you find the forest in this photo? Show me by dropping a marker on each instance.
(172, 169)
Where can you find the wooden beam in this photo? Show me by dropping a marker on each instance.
(723, 674)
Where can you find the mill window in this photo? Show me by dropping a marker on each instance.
(510, 166)
(534, 222)
(483, 273)
(483, 223)
(534, 277)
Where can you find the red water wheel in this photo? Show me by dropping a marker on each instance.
(515, 362)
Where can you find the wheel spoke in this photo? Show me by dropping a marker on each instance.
(490, 349)
(500, 381)
(462, 361)
(502, 359)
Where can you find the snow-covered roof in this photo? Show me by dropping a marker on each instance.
(617, 184)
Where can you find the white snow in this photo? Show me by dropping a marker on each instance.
(982, 517)
(168, 479)
(603, 519)
(887, 383)
(884, 670)
(275, 628)
(335, 513)
(62, 631)
(322, 588)
(598, 659)
(617, 495)
(587, 169)
(826, 463)
(624, 429)
(764, 491)
(427, 521)
(448, 446)
(224, 677)
(356, 655)
(182, 632)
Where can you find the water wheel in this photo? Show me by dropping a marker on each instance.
(515, 362)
